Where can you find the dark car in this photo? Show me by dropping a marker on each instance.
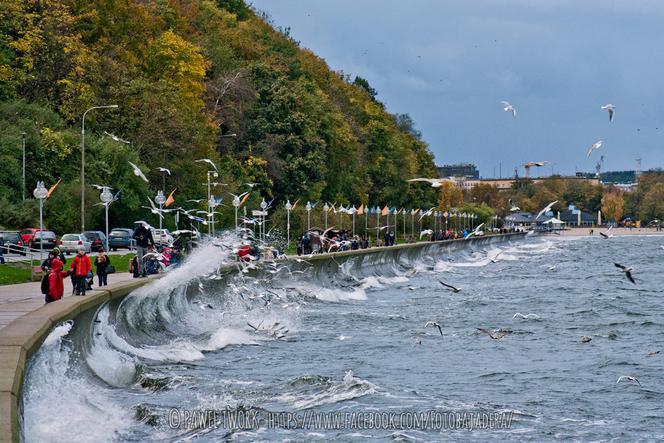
(121, 238)
(13, 244)
(98, 240)
(44, 239)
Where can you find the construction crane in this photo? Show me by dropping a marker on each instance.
(598, 166)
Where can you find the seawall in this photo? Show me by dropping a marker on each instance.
(23, 337)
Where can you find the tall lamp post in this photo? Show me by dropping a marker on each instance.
(160, 199)
(289, 207)
(23, 146)
(308, 208)
(264, 214)
(214, 174)
(236, 205)
(83, 160)
(41, 193)
(106, 198)
(326, 209)
(353, 211)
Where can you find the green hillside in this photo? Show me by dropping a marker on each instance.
(186, 75)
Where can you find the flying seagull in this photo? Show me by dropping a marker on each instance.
(496, 336)
(426, 232)
(209, 162)
(495, 258)
(196, 201)
(606, 236)
(628, 377)
(435, 182)
(454, 289)
(434, 324)
(139, 173)
(650, 354)
(611, 109)
(167, 171)
(546, 209)
(507, 107)
(595, 146)
(627, 271)
(527, 316)
(101, 188)
(116, 138)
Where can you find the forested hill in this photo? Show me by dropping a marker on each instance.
(186, 75)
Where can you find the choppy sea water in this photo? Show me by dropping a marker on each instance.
(277, 348)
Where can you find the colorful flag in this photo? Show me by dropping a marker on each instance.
(295, 204)
(170, 200)
(50, 191)
(360, 210)
(244, 199)
(385, 211)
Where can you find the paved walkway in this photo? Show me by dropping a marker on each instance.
(18, 300)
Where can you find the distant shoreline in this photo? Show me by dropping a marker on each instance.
(585, 231)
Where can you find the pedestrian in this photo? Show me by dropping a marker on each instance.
(56, 287)
(144, 240)
(60, 256)
(46, 264)
(81, 266)
(102, 262)
(2, 257)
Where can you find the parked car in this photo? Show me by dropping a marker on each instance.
(162, 237)
(32, 237)
(13, 243)
(97, 238)
(121, 238)
(71, 243)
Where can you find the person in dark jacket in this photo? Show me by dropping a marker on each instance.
(2, 257)
(46, 264)
(60, 256)
(102, 262)
(143, 237)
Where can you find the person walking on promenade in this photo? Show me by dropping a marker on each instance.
(81, 266)
(56, 286)
(102, 262)
(144, 240)
(60, 256)
(46, 264)
(2, 257)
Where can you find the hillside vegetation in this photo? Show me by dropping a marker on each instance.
(186, 74)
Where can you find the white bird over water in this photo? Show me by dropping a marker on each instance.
(426, 232)
(208, 161)
(434, 324)
(546, 209)
(628, 377)
(138, 172)
(435, 182)
(527, 316)
(508, 107)
(611, 109)
(595, 146)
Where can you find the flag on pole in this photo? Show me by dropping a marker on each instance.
(385, 211)
(50, 191)
(295, 204)
(360, 210)
(244, 199)
(170, 200)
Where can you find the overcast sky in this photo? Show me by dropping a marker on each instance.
(450, 63)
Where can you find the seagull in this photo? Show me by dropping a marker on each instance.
(495, 258)
(515, 209)
(650, 354)
(238, 196)
(434, 324)
(209, 162)
(498, 336)
(138, 172)
(527, 316)
(546, 209)
(454, 289)
(627, 271)
(596, 145)
(507, 107)
(251, 185)
(538, 164)
(435, 182)
(116, 138)
(628, 377)
(167, 171)
(153, 209)
(196, 201)
(426, 232)
(585, 339)
(101, 188)
(611, 109)
(606, 236)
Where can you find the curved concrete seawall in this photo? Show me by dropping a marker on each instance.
(21, 338)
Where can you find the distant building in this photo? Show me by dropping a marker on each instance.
(507, 183)
(467, 170)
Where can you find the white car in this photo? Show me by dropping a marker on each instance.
(71, 243)
(162, 237)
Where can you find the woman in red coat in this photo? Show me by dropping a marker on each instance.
(55, 286)
(81, 266)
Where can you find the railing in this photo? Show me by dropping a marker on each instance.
(29, 253)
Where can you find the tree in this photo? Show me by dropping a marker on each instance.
(652, 206)
(613, 205)
(364, 85)
(450, 196)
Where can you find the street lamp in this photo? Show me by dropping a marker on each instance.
(353, 211)
(106, 198)
(83, 160)
(308, 208)
(263, 214)
(236, 205)
(160, 199)
(326, 209)
(23, 134)
(289, 208)
(214, 174)
(41, 193)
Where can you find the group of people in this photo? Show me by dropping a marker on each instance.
(151, 258)
(80, 271)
